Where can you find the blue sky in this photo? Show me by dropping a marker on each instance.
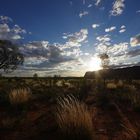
(62, 36)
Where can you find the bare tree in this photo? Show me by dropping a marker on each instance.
(10, 57)
(105, 60)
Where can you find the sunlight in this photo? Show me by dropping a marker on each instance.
(95, 64)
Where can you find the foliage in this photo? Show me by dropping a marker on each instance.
(35, 75)
(105, 60)
(10, 57)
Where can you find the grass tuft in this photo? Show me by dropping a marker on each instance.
(19, 96)
(74, 119)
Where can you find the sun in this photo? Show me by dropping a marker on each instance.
(94, 64)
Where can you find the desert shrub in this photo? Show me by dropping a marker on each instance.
(130, 88)
(111, 86)
(74, 119)
(120, 84)
(19, 96)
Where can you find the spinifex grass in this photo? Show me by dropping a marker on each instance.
(74, 119)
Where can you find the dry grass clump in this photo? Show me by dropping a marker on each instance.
(120, 84)
(74, 119)
(111, 86)
(19, 96)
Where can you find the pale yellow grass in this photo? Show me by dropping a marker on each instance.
(19, 96)
(74, 119)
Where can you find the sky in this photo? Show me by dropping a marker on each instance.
(65, 37)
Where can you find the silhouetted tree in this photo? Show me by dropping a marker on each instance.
(105, 60)
(35, 75)
(105, 65)
(10, 57)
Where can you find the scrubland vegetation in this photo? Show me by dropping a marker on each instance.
(74, 119)
(69, 108)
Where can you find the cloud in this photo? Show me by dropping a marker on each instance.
(103, 39)
(62, 58)
(110, 29)
(118, 8)
(102, 45)
(71, 3)
(84, 13)
(42, 54)
(75, 40)
(122, 29)
(123, 26)
(117, 53)
(118, 49)
(135, 41)
(134, 53)
(94, 26)
(5, 19)
(90, 5)
(138, 11)
(84, 2)
(10, 33)
(44, 58)
(97, 2)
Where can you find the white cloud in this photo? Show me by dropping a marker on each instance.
(138, 11)
(101, 48)
(10, 33)
(110, 29)
(84, 13)
(97, 2)
(90, 5)
(4, 28)
(75, 40)
(94, 26)
(18, 30)
(118, 49)
(123, 26)
(5, 19)
(42, 54)
(135, 41)
(122, 29)
(104, 38)
(118, 8)
(102, 45)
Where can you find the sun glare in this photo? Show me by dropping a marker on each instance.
(95, 64)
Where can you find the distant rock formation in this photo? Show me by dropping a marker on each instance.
(120, 73)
